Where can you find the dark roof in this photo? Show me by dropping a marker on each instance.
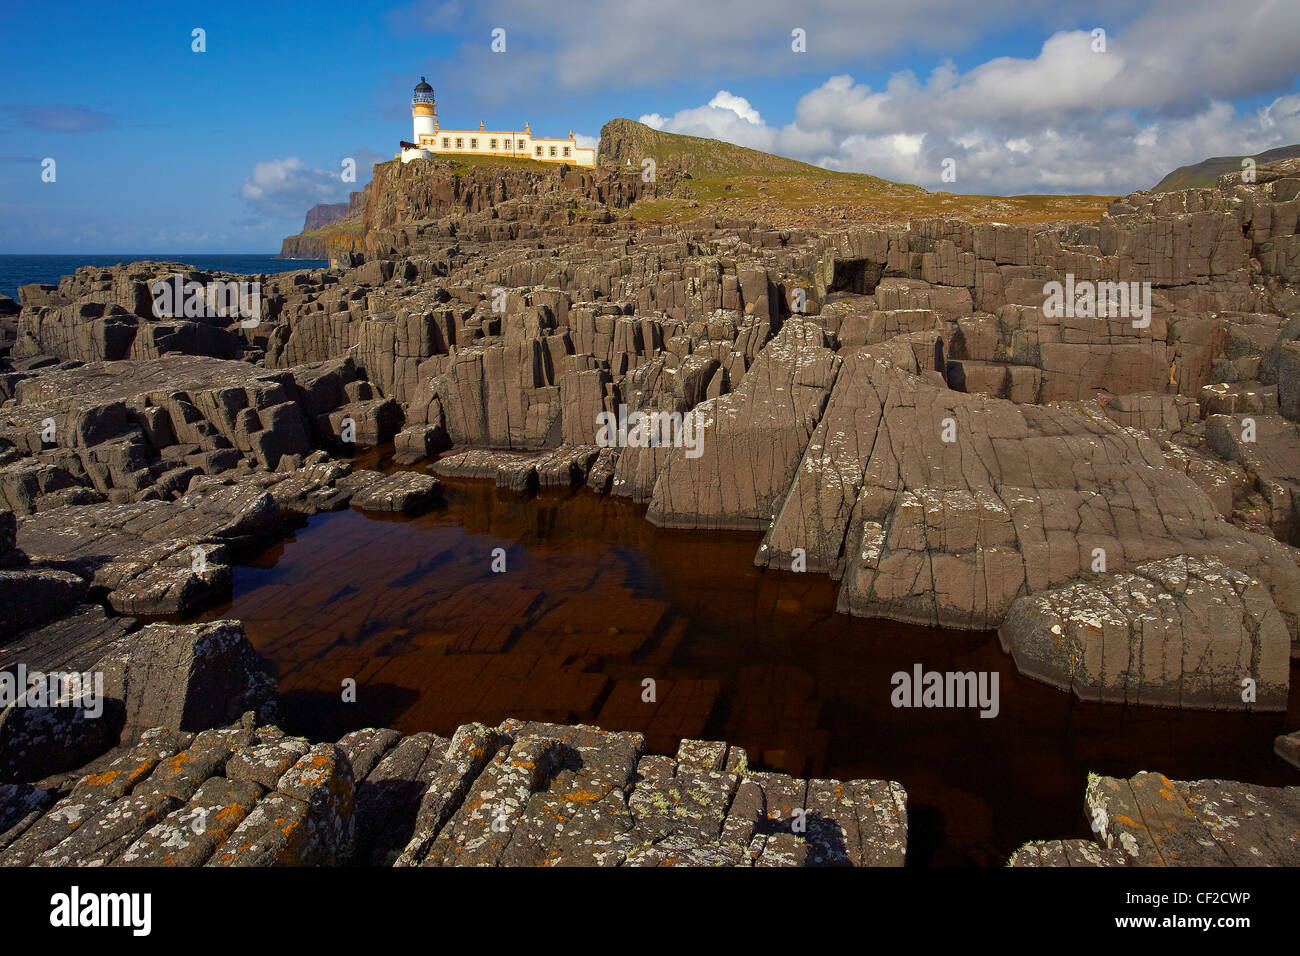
(423, 87)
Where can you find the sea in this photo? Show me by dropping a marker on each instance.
(20, 270)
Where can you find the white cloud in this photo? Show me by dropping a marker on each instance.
(1063, 117)
(1066, 120)
(288, 187)
(724, 100)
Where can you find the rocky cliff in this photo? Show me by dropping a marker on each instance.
(322, 214)
(330, 230)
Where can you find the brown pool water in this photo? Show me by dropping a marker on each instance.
(595, 599)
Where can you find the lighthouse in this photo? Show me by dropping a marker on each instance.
(424, 112)
(429, 139)
(424, 119)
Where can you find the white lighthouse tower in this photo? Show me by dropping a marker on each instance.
(424, 120)
(424, 111)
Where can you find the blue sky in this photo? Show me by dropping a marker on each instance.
(162, 149)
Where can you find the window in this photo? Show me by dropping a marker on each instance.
(566, 151)
(446, 142)
(494, 144)
(460, 143)
(539, 150)
(473, 144)
(552, 150)
(521, 145)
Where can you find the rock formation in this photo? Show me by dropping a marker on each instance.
(1112, 485)
(519, 794)
(1150, 820)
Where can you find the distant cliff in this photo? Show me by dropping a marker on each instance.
(328, 230)
(323, 213)
(330, 242)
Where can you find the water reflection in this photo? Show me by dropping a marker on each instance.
(595, 599)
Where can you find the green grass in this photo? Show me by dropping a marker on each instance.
(622, 139)
(463, 165)
(733, 180)
(1203, 174)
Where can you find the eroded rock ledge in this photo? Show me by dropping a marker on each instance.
(1150, 820)
(519, 794)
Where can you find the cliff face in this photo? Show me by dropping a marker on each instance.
(399, 194)
(430, 189)
(332, 242)
(322, 214)
(519, 192)
(330, 229)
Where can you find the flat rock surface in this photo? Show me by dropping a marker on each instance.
(521, 794)
(1150, 820)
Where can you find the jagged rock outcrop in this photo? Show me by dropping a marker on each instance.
(751, 440)
(323, 214)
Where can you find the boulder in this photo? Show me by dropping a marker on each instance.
(187, 677)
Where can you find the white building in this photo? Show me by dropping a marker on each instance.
(520, 144)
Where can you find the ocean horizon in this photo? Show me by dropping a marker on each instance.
(20, 270)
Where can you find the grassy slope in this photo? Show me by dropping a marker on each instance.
(462, 164)
(1203, 174)
(733, 180)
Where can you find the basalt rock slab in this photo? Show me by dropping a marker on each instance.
(1287, 746)
(555, 795)
(752, 440)
(1181, 632)
(75, 642)
(521, 794)
(91, 795)
(1268, 447)
(1155, 821)
(1150, 820)
(32, 596)
(966, 503)
(306, 821)
(189, 835)
(1081, 853)
(155, 557)
(404, 491)
(21, 805)
(187, 677)
(40, 739)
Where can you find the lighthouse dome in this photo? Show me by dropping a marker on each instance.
(423, 86)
